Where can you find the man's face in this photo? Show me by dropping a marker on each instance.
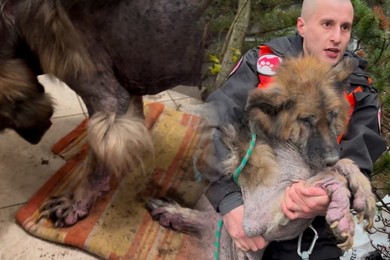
(327, 30)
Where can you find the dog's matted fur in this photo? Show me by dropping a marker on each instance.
(110, 53)
(297, 119)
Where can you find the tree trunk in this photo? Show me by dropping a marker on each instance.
(234, 40)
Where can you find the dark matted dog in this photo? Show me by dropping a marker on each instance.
(111, 53)
(297, 120)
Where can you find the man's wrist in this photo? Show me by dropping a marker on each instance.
(230, 202)
(221, 189)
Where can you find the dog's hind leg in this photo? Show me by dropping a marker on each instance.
(203, 223)
(200, 222)
(171, 215)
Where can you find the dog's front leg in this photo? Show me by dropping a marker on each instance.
(68, 209)
(338, 215)
(116, 146)
(363, 198)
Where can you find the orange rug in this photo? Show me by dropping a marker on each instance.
(119, 226)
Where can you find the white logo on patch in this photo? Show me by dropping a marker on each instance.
(267, 64)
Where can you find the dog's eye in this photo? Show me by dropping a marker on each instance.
(308, 121)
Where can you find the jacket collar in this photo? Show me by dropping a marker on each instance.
(287, 46)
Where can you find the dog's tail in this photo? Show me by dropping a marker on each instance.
(119, 142)
(49, 32)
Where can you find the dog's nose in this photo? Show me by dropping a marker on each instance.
(331, 160)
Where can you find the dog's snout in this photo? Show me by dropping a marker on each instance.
(331, 160)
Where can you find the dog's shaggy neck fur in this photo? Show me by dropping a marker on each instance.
(61, 50)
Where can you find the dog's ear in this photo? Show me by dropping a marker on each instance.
(270, 100)
(24, 106)
(344, 68)
(32, 118)
(264, 105)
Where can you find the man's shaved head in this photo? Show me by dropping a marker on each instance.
(309, 7)
(326, 26)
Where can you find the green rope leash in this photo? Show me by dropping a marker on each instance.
(245, 159)
(235, 178)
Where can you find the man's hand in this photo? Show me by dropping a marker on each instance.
(233, 222)
(304, 202)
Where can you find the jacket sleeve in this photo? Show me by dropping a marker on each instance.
(362, 142)
(228, 105)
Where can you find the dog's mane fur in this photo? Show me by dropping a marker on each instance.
(61, 50)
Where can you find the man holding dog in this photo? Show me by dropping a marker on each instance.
(323, 30)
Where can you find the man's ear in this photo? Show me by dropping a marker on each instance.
(300, 25)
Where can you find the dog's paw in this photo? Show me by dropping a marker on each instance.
(365, 206)
(164, 211)
(344, 230)
(171, 215)
(160, 208)
(62, 210)
(363, 199)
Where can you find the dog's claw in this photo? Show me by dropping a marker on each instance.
(334, 225)
(347, 236)
(344, 229)
(360, 217)
(348, 243)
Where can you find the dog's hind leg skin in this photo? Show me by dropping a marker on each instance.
(200, 223)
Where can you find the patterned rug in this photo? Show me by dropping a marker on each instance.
(119, 226)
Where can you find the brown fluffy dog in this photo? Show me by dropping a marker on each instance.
(296, 119)
(110, 53)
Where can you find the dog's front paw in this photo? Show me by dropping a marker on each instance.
(363, 199)
(62, 210)
(338, 215)
(365, 206)
(344, 230)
